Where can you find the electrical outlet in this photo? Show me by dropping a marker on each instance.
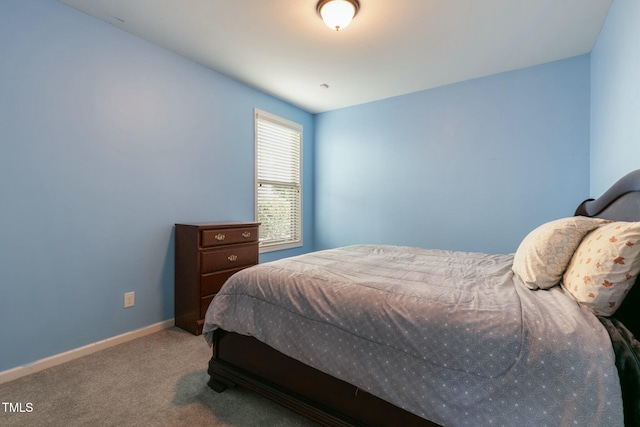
(129, 299)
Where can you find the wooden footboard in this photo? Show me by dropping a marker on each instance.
(245, 361)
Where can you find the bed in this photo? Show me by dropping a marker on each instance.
(381, 335)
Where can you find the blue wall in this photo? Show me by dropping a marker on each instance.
(470, 166)
(615, 97)
(107, 141)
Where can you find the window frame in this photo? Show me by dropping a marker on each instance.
(297, 241)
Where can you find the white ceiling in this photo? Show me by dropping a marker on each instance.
(392, 47)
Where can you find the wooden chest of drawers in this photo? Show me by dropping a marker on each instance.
(206, 256)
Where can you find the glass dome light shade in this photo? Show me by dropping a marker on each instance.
(337, 14)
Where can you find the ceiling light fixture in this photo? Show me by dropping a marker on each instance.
(337, 14)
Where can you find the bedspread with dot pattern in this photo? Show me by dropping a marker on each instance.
(453, 337)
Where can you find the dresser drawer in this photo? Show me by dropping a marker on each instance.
(229, 236)
(229, 257)
(204, 305)
(212, 282)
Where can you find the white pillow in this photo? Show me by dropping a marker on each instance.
(543, 255)
(604, 267)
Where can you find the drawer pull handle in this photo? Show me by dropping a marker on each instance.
(232, 258)
(219, 236)
(246, 234)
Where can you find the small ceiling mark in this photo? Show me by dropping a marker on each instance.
(324, 86)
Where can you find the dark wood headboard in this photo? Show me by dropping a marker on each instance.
(621, 202)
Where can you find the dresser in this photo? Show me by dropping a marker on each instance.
(206, 256)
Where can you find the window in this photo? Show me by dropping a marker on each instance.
(278, 181)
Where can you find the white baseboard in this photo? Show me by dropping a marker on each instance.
(39, 365)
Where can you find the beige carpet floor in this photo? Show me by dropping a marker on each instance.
(156, 380)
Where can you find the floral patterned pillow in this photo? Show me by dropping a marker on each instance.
(544, 253)
(604, 267)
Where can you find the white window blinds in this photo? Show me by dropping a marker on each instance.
(278, 181)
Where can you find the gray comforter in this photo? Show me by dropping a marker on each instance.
(453, 337)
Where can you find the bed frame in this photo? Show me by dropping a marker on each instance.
(245, 361)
